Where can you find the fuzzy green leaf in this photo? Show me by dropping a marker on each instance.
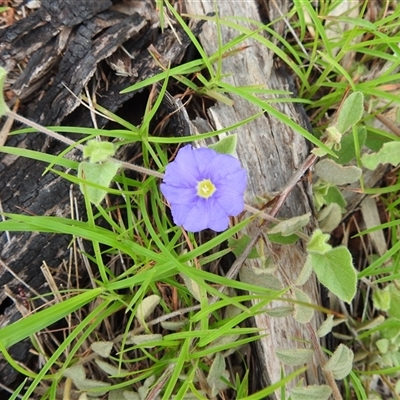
(388, 154)
(302, 313)
(193, 287)
(76, 373)
(334, 195)
(381, 299)
(394, 309)
(146, 307)
(334, 269)
(216, 370)
(98, 174)
(279, 312)
(326, 193)
(347, 151)
(102, 348)
(122, 394)
(375, 141)
(145, 340)
(329, 217)
(217, 385)
(318, 242)
(90, 384)
(334, 173)
(341, 363)
(98, 151)
(278, 238)
(305, 272)
(382, 345)
(351, 112)
(290, 226)
(238, 246)
(371, 323)
(173, 325)
(259, 277)
(322, 392)
(3, 105)
(294, 357)
(227, 145)
(326, 326)
(109, 369)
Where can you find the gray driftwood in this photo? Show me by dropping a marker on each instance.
(271, 152)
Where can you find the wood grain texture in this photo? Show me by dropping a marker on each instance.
(271, 152)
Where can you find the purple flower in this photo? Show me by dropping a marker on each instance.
(204, 188)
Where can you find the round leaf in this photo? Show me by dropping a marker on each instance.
(341, 363)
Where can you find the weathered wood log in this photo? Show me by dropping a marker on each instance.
(271, 152)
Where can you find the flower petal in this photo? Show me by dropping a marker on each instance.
(236, 182)
(222, 166)
(218, 218)
(203, 157)
(179, 195)
(205, 214)
(231, 202)
(179, 215)
(183, 171)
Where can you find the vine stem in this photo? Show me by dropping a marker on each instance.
(322, 360)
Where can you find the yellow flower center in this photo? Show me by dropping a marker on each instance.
(205, 188)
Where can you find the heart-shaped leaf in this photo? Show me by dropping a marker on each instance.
(337, 174)
(98, 174)
(334, 269)
(350, 112)
(227, 145)
(341, 363)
